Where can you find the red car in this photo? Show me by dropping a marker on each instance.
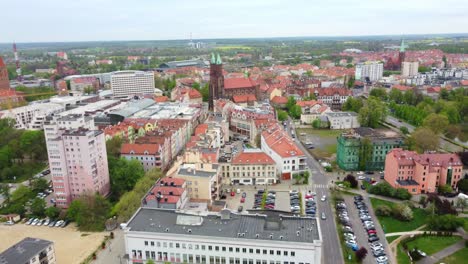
(309, 196)
(242, 199)
(233, 193)
(371, 232)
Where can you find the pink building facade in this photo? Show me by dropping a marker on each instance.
(422, 173)
(77, 158)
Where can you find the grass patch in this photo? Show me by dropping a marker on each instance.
(402, 257)
(25, 171)
(391, 238)
(458, 257)
(432, 244)
(391, 224)
(465, 225)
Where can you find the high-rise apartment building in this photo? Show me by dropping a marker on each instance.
(409, 69)
(77, 157)
(370, 69)
(130, 83)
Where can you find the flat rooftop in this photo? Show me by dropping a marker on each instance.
(24, 250)
(227, 224)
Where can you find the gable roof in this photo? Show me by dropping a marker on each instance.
(139, 149)
(258, 157)
(237, 83)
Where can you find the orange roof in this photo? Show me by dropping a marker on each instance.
(244, 98)
(253, 158)
(194, 93)
(170, 181)
(279, 141)
(236, 83)
(201, 129)
(307, 103)
(464, 82)
(161, 99)
(279, 100)
(401, 87)
(139, 149)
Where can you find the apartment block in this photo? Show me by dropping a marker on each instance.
(30, 250)
(32, 117)
(371, 70)
(409, 69)
(202, 180)
(422, 173)
(77, 157)
(130, 83)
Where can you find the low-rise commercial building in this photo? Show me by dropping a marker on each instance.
(422, 173)
(176, 237)
(30, 250)
(365, 148)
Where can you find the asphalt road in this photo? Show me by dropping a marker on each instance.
(331, 244)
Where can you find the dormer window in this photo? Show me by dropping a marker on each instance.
(132, 152)
(146, 152)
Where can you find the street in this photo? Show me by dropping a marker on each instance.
(328, 228)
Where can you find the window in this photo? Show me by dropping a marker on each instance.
(224, 249)
(230, 249)
(278, 252)
(244, 250)
(257, 251)
(177, 245)
(210, 247)
(265, 252)
(285, 253)
(237, 250)
(152, 243)
(216, 248)
(293, 254)
(251, 250)
(146, 243)
(272, 252)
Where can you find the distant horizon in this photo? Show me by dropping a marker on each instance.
(322, 37)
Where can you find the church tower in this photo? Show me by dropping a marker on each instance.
(216, 87)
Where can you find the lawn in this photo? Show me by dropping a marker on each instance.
(458, 257)
(402, 258)
(24, 171)
(391, 225)
(465, 226)
(433, 244)
(324, 141)
(391, 238)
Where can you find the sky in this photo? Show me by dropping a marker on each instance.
(106, 20)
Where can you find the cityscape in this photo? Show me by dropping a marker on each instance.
(198, 132)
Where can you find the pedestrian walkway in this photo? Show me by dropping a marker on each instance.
(114, 251)
(432, 259)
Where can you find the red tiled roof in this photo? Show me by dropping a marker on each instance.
(236, 83)
(279, 100)
(170, 180)
(279, 141)
(307, 103)
(161, 99)
(464, 82)
(201, 129)
(253, 158)
(331, 91)
(401, 87)
(194, 93)
(244, 98)
(408, 158)
(139, 149)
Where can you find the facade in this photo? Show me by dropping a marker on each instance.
(167, 193)
(342, 120)
(30, 250)
(365, 148)
(371, 70)
(83, 83)
(312, 110)
(32, 116)
(222, 238)
(130, 83)
(77, 157)
(240, 87)
(422, 173)
(289, 158)
(4, 80)
(333, 97)
(251, 167)
(216, 86)
(202, 180)
(149, 155)
(409, 69)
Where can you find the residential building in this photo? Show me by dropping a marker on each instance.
(32, 116)
(186, 95)
(409, 69)
(77, 157)
(251, 167)
(333, 97)
(202, 180)
(342, 120)
(422, 173)
(130, 83)
(229, 238)
(365, 148)
(370, 70)
(149, 155)
(241, 118)
(83, 83)
(312, 110)
(288, 157)
(167, 193)
(30, 250)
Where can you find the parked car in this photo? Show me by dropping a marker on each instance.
(233, 194)
(361, 177)
(29, 222)
(324, 217)
(373, 238)
(323, 199)
(242, 200)
(244, 194)
(59, 223)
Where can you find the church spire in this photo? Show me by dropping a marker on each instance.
(213, 60)
(402, 46)
(218, 59)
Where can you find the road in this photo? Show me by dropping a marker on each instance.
(331, 242)
(444, 144)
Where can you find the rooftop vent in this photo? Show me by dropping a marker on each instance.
(190, 230)
(271, 236)
(257, 235)
(281, 237)
(167, 229)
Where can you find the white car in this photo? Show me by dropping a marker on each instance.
(360, 173)
(323, 199)
(361, 178)
(46, 222)
(422, 253)
(381, 259)
(59, 223)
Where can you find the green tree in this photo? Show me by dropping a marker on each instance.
(373, 112)
(282, 115)
(436, 122)
(52, 212)
(352, 104)
(113, 146)
(423, 69)
(453, 131)
(291, 103)
(295, 112)
(445, 188)
(424, 139)
(365, 153)
(22, 193)
(38, 207)
(123, 175)
(90, 212)
(395, 95)
(351, 81)
(380, 93)
(404, 130)
(462, 185)
(39, 185)
(75, 209)
(5, 192)
(205, 91)
(196, 86)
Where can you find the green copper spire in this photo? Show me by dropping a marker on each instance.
(218, 59)
(213, 60)
(402, 46)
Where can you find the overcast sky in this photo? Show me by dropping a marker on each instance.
(85, 20)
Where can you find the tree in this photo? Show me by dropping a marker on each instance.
(395, 95)
(282, 115)
(380, 93)
(352, 104)
(462, 204)
(123, 175)
(453, 131)
(462, 185)
(52, 212)
(196, 86)
(353, 183)
(39, 185)
(383, 210)
(113, 146)
(22, 193)
(38, 207)
(445, 188)
(403, 212)
(75, 209)
(5, 192)
(373, 112)
(436, 122)
(295, 112)
(361, 253)
(291, 102)
(424, 69)
(444, 222)
(404, 130)
(351, 80)
(424, 139)
(150, 261)
(90, 212)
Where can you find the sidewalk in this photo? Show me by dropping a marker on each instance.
(114, 251)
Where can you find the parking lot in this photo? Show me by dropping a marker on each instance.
(71, 245)
(282, 201)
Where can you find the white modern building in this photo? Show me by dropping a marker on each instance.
(168, 236)
(77, 157)
(289, 158)
(129, 83)
(409, 69)
(32, 117)
(370, 69)
(30, 250)
(343, 120)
